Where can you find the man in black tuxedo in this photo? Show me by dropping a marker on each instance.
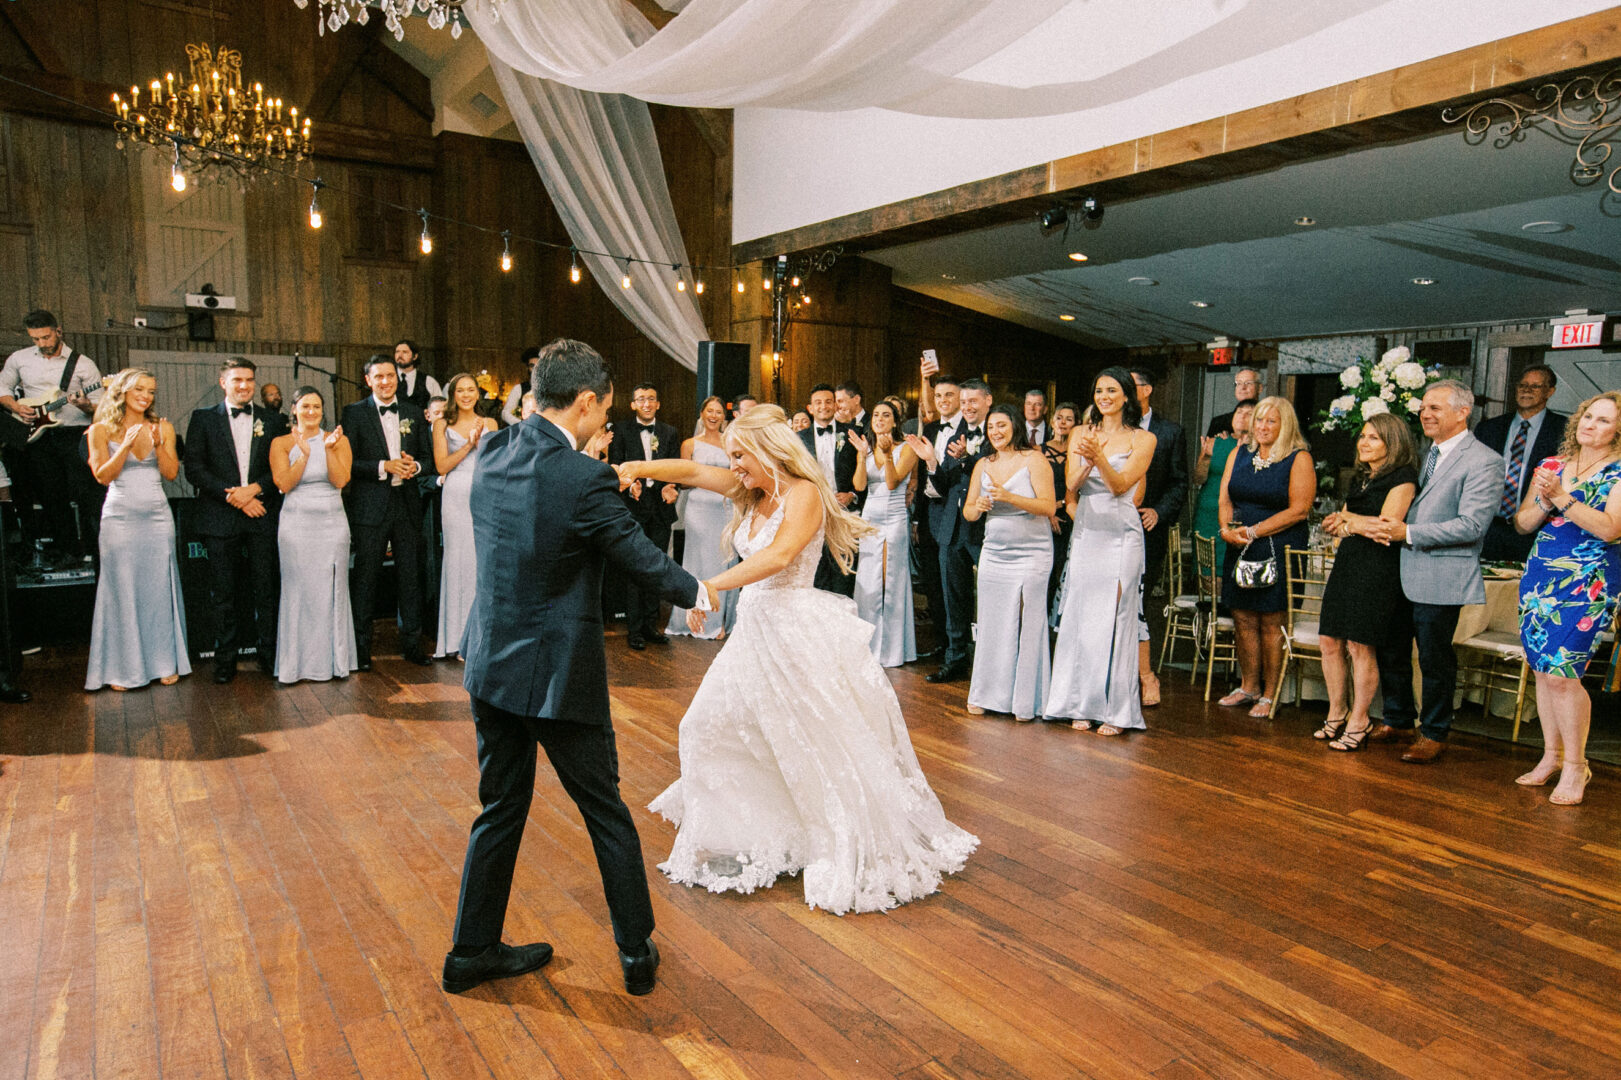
(652, 504)
(946, 394)
(957, 542)
(238, 506)
(828, 441)
(392, 445)
(545, 520)
(1524, 437)
(1164, 496)
(849, 408)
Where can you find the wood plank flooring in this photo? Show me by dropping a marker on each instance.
(239, 881)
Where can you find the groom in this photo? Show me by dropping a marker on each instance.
(548, 516)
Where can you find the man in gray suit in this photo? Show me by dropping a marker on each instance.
(1458, 489)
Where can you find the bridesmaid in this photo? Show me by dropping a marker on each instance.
(1013, 488)
(455, 438)
(1095, 661)
(884, 572)
(1568, 593)
(705, 519)
(1056, 449)
(139, 630)
(310, 467)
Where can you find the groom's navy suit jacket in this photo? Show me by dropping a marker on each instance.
(545, 520)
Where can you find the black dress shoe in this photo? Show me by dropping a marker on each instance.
(11, 694)
(363, 662)
(636, 642)
(949, 673)
(499, 961)
(656, 637)
(639, 970)
(417, 657)
(224, 673)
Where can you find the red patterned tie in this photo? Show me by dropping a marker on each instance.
(1516, 468)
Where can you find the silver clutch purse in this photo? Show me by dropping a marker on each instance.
(1256, 573)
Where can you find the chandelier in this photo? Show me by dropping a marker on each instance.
(215, 121)
(335, 14)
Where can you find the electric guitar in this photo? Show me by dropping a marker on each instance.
(46, 407)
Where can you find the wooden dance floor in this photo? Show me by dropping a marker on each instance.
(202, 881)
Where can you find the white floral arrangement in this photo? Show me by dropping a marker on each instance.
(1393, 384)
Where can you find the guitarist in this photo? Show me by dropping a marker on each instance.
(52, 468)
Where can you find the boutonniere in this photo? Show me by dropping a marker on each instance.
(405, 427)
(840, 444)
(258, 429)
(974, 443)
(653, 443)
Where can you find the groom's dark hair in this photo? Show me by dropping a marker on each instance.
(564, 370)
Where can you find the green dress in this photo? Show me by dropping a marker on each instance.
(1207, 512)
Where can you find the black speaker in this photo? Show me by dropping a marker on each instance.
(723, 370)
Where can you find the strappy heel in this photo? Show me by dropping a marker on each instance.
(1351, 740)
(1566, 800)
(1531, 779)
(1331, 728)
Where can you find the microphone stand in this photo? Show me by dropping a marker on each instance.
(300, 362)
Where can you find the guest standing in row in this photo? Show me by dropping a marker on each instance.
(884, 572)
(311, 467)
(417, 387)
(828, 441)
(455, 448)
(1214, 451)
(1266, 496)
(138, 632)
(1525, 435)
(236, 514)
(1095, 660)
(1364, 609)
(1011, 488)
(1056, 450)
(704, 520)
(651, 504)
(392, 445)
(1165, 492)
(1568, 594)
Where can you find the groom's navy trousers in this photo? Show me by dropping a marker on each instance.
(587, 765)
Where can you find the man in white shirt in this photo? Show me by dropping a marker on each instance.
(50, 470)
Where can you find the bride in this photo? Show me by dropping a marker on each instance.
(794, 755)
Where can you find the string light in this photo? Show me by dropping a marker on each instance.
(680, 282)
(698, 286)
(315, 208)
(742, 287)
(177, 178)
(765, 283)
(427, 241)
(624, 282)
(574, 265)
(506, 251)
(795, 281)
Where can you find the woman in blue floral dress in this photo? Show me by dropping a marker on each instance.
(1567, 596)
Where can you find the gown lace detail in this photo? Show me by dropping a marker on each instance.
(795, 756)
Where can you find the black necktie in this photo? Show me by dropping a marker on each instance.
(385, 409)
(245, 410)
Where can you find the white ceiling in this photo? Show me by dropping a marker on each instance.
(1436, 207)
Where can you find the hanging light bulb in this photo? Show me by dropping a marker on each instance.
(698, 286)
(177, 179)
(427, 241)
(506, 251)
(795, 281)
(624, 282)
(315, 209)
(742, 287)
(805, 299)
(680, 282)
(574, 266)
(765, 283)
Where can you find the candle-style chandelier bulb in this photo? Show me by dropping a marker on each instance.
(427, 241)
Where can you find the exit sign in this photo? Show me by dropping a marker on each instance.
(1223, 357)
(1580, 334)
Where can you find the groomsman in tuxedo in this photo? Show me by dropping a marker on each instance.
(1524, 437)
(652, 504)
(848, 407)
(829, 443)
(1165, 494)
(417, 387)
(392, 445)
(946, 483)
(238, 507)
(939, 433)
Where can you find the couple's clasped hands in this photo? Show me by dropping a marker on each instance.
(1381, 530)
(695, 618)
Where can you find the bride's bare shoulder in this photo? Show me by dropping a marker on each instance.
(803, 501)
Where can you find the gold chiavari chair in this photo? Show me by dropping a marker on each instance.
(1307, 571)
(1182, 616)
(1220, 641)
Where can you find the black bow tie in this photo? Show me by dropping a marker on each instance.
(245, 410)
(388, 408)
(823, 430)
(647, 427)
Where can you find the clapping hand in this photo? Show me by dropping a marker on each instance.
(1085, 443)
(886, 443)
(1207, 446)
(957, 447)
(597, 445)
(1548, 485)
(923, 448)
(860, 443)
(478, 433)
(671, 493)
(332, 439)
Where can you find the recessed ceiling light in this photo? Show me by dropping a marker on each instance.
(1078, 256)
(948, 277)
(1545, 227)
(1067, 318)
(1141, 281)
(1423, 281)
(1303, 220)
(1200, 303)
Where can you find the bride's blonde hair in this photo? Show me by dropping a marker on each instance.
(764, 432)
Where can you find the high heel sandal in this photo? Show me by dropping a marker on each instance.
(1150, 688)
(1351, 740)
(1238, 698)
(1587, 776)
(974, 710)
(1531, 779)
(1081, 725)
(1331, 728)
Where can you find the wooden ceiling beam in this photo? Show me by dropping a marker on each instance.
(34, 38)
(1391, 105)
(340, 54)
(395, 72)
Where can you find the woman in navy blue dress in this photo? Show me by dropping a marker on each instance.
(1266, 495)
(1568, 593)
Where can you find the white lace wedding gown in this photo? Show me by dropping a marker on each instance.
(794, 756)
